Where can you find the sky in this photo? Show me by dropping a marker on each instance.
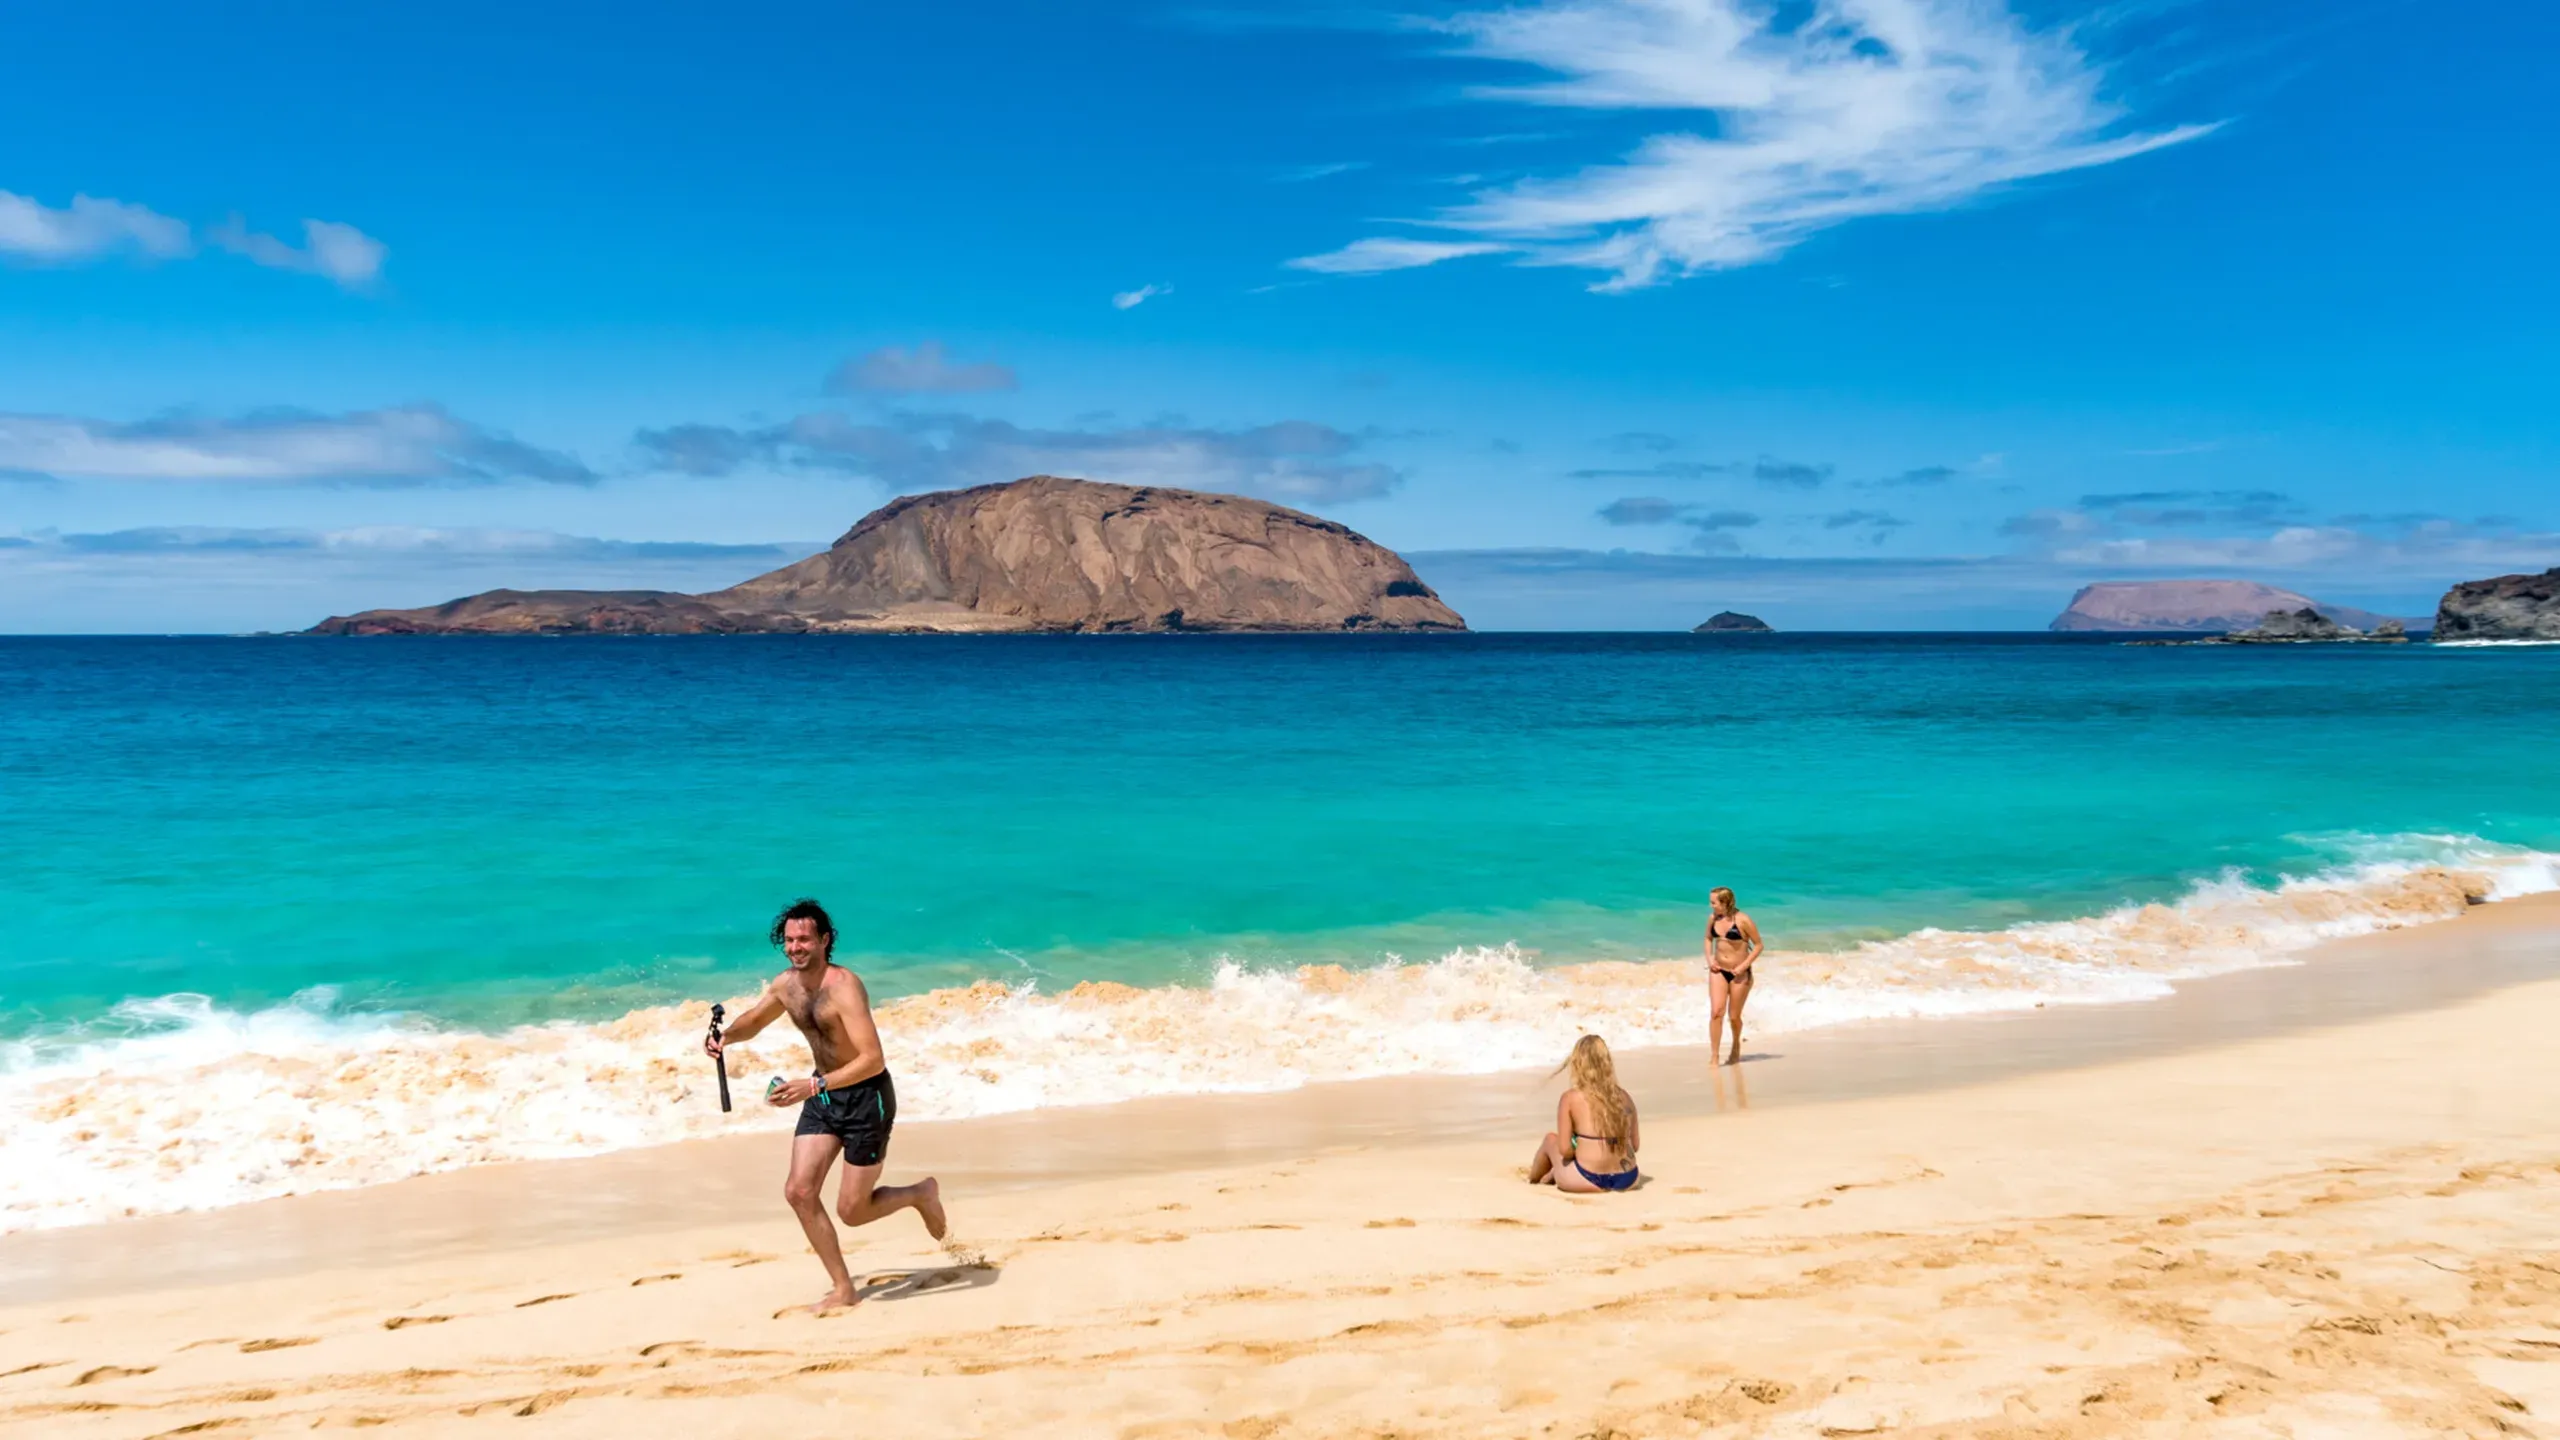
(1608, 314)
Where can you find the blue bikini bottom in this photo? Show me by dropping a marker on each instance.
(1623, 1180)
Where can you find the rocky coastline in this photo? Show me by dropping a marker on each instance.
(2505, 607)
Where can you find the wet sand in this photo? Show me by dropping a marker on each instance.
(2309, 1200)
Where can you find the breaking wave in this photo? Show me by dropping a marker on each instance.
(211, 1107)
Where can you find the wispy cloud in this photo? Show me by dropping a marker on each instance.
(1916, 476)
(1377, 255)
(1641, 442)
(1659, 470)
(90, 228)
(1710, 530)
(1292, 460)
(212, 578)
(1812, 116)
(477, 543)
(1300, 174)
(342, 253)
(87, 228)
(925, 370)
(1642, 510)
(2171, 508)
(1792, 474)
(1873, 526)
(1132, 299)
(400, 446)
(2150, 532)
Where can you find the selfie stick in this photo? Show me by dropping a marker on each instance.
(720, 1060)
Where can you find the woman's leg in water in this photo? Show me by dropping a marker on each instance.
(1717, 994)
(1741, 991)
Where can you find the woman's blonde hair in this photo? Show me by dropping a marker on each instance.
(1721, 897)
(1595, 1074)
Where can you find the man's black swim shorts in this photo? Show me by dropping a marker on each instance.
(859, 1114)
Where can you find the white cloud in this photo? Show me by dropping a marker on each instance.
(401, 445)
(2435, 548)
(220, 579)
(1301, 174)
(1857, 108)
(1132, 299)
(474, 543)
(923, 370)
(87, 228)
(1298, 461)
(341, 252)
(1381, 253)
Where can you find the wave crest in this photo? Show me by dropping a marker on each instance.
(211, 1107)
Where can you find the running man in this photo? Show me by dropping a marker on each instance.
(848, 1106)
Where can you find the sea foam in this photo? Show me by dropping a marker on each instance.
(178, 1104)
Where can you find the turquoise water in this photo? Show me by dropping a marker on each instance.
(486, 832)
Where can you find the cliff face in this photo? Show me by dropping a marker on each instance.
(1038, 555)
(2192, 606)
(2510, 607)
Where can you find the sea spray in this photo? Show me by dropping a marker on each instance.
(178, 1104)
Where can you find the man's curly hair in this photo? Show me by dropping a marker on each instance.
(804, 909)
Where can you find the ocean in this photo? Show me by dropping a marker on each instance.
(281, 915)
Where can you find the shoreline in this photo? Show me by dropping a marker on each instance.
(2337, 1227)
(518, 1205)
(235, 1108)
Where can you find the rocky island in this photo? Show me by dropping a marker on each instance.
(1038, 555)
(1733, 622)
(2509, 607)
(2201, 607)
(2307, 626)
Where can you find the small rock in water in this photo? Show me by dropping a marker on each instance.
(1733, 622)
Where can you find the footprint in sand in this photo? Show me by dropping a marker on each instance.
(252, 1347)
(403, 1322)
(49, 1364)
(112, 1372)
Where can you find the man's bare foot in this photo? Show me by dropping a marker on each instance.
(929, 1205)
(839, 1298)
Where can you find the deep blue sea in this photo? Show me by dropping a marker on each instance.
(226, 853)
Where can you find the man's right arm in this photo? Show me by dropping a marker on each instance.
(759, 1012)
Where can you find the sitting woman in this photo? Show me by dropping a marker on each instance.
(1595, 1141)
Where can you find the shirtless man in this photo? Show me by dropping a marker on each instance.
(848, 1106)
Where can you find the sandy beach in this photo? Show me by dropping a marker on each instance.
(2328, 1218)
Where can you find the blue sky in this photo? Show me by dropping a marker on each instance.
(1609, 313)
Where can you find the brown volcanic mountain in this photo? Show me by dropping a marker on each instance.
(1038, 555)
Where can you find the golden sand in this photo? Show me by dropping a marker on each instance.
(2338, 1232)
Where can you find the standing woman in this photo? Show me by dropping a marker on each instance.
(1733, 943)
